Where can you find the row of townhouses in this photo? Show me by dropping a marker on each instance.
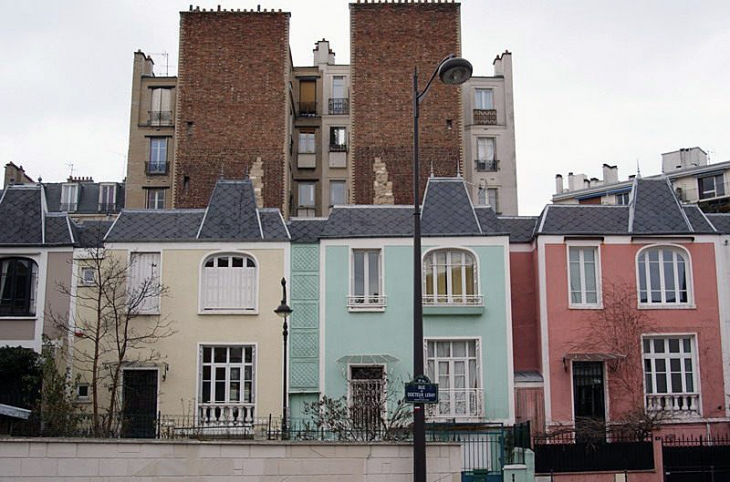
(586, 313)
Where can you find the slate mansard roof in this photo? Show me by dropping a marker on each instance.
(654, 210)
(446, 211)
(231, 215)
(24, 220)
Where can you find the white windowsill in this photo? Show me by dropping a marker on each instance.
(227, 312)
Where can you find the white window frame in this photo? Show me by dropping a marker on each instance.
(306, 199)
(681, 401)
(155, 198)
(239, 412)
(343, 185)
(343, 86)
(212, 298)
(644, 266)
(86, 278)
(717, 180)
(107, 195)
(307, 142)
(145, 269)
(449, 394)
(484, 152)
(160, 106)
(493, 198)
(366, 301)
(158, 155)
(383, 381)
(69, 197)
(484, 99)
(450, 298)
(582, 276)
(83, 398)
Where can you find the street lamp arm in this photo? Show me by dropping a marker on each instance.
(420, 95)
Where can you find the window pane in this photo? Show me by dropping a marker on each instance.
(459, 349)
(661, 383)
(373, 273)
(659, 345)
(220, 354)
(236, 354)
(674, 345)
(359, 273)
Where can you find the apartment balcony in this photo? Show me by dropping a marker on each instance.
(226, 415)
(457, 403)
(489, 165)
(156, 168)
(365, 303)
(307, 109)
(107, 207)
(69, 207)
(485, 117)
(160, 117)
(675, 404)
(339, 106)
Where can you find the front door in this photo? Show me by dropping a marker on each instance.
(139, 403)
(367, 397)
(589, 399)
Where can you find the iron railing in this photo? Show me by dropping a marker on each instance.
(107, 207)
(366, 302)
(307, 109)
(491, 165)
(339, 106)
(70, 207)
(152, 168)
(485, 117)
(338, 147)
(452, 300)
(160, 117)
(457, 403)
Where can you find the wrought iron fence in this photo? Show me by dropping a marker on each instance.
(696, 459)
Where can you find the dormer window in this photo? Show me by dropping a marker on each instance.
(69, 197)
(107, 198)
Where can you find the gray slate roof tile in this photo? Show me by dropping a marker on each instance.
(156, 225)
(447, 210)
(520, 229)
(697, 219)
(273, 225)
(231, 213)
(58, 230)
(20, 215)
(721, 222)
(369, 221)
(656, 210)
(489, 221)
(91, 234)
(584, 219)
(306, 230)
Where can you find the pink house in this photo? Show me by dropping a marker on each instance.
(617, 316)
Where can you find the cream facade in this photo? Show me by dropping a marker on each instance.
(489, 138)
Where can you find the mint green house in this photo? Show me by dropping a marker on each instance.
(352, 295)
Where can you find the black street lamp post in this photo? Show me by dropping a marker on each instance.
(283, 310)
(452, 71)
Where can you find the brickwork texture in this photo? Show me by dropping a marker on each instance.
(232, 102)
(388, 40)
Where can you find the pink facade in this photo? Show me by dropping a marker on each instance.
(568, 330)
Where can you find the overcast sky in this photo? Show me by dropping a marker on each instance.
(616, 82)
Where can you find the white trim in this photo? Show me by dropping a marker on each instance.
(544, 335)
(596, 245)
(606, 411)
(722, 272)
(688, 269)
(321, 307)
(508, 334)
(228, 311)
(471, 299)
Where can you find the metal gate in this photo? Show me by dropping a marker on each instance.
(696, 459)
(482, 448)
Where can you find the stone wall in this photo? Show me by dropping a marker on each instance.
(232, 102)
(388, 40)
(122, 460)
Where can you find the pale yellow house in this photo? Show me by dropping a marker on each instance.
(218, 360)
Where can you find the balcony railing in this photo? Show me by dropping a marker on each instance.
(678, 404)
(339, 106)
(160, 117)
(107, 207)
(452, 300)
(488, 165)
(338, 147)
(485, 117)
(229, 415)
(370, 302)
(458, 403)
(69, 207)
(156, 168)
(307, 109)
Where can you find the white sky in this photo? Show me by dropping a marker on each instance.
(618, 81)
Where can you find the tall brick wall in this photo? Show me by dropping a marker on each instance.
(232, 102)
(387, 41)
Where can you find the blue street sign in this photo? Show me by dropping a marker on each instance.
(421, 390)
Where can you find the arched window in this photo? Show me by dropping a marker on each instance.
(18, 278)
(229, 283)
(450, 277)
(663, 276)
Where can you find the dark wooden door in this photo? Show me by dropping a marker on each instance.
(139, 399)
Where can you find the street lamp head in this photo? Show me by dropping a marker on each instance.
(283, 310)
(455, 71)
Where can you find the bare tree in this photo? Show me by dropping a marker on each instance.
(617, 330)
(112, 325)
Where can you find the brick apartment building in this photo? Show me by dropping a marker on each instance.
(311, 137)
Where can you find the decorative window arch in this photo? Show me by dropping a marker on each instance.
(451, 278)
(663, 276)
(229, 282)
(18, 286)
